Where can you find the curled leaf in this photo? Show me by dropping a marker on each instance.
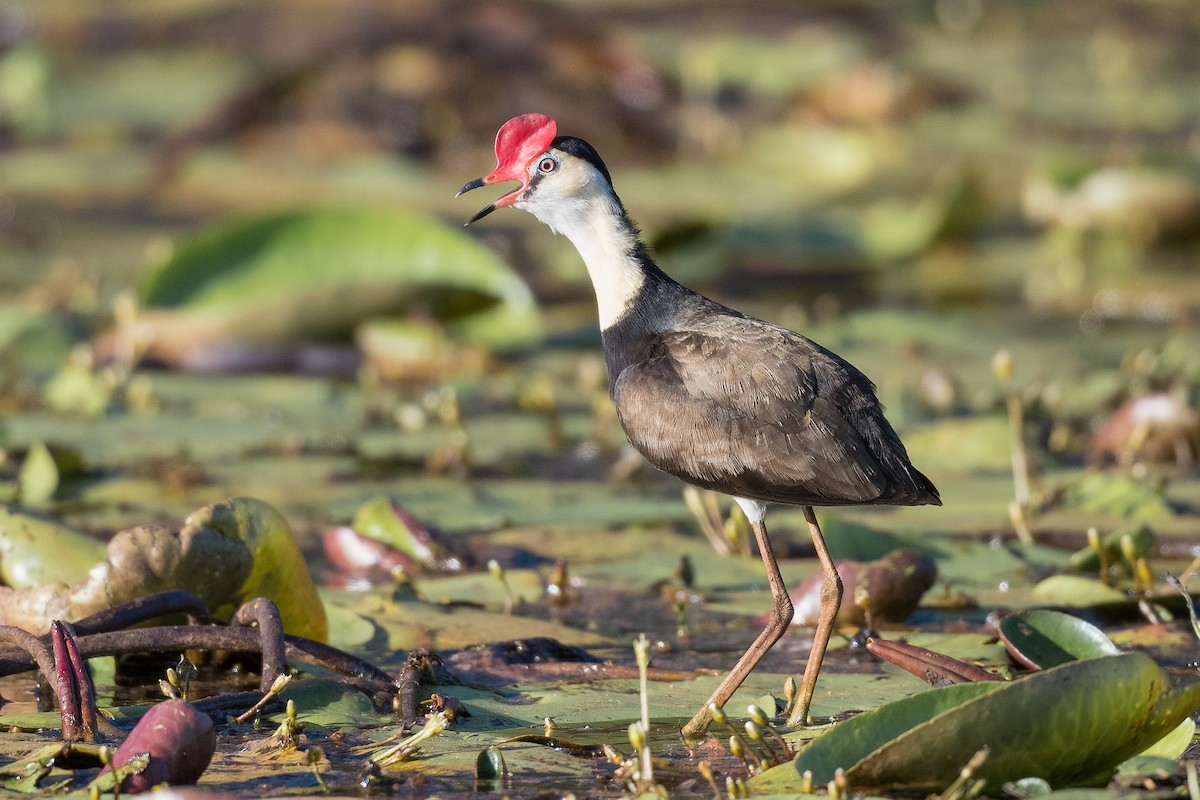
(1040, 638)
(314, 274)
(384, 521)
(226, 553)
(1069, 725)
(887, 589)
(37, 550)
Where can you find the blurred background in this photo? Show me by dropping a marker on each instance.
(228, 233)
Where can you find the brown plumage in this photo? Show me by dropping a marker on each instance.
(731, 403)
(721, 400)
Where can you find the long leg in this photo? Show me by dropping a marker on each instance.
(831, 601)
(781, 617)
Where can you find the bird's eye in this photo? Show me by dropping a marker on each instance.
(547, 164)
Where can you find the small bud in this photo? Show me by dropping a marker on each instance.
(280, 683)
(718, 714)
(495, 569)
(758, 715)
(753, 731)
(806, 782)
(637, 735)
(641, 651)
(1002, 366)
(1128, 550)
(173, 677)
(735, 747)
(790, 690)
(186, 670)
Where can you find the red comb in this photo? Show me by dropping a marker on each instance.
(520, 140)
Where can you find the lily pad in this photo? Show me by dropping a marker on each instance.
(1117, 496)
(1069, 725)
(316, 273)
(37, 550)
(1041, 639)
(1076, 591)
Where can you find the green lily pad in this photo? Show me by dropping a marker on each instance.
(36, 550)
(1041, 639)
(1117, 496)
(1069, 725)
(331, 704)
(316, 273)
(1076, 591)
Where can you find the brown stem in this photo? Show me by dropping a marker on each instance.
(356, 672)
(265, 614)
(85, 689)
(64, 684)
(142, 609)
(934, 668)
(36, 652)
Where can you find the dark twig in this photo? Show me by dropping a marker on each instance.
(143, 609)
(265, 614)
(356, 672)
(36, 652)
(419, 664)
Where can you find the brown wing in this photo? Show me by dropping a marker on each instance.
(761, 412)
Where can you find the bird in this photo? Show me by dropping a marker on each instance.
(715, 397)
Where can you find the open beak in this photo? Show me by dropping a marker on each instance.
(507, 200)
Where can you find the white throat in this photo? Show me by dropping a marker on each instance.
(592, 220)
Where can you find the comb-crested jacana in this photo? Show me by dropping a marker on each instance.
(719, 399)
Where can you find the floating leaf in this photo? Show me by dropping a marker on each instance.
(384, 521)
(36, 550)
(331, 704)
(316, 273)
(1076, 591)
(1041, 639)
(1175, 743)
(1068, 725)
(1117, 496)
